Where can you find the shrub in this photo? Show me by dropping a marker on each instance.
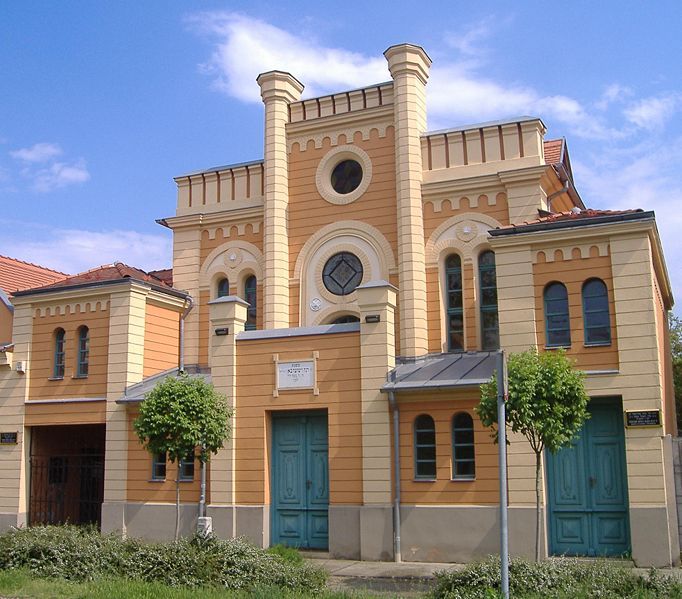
(82, 554)
(288, 554)
(560, 578)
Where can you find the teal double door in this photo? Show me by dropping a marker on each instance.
(587, 485)
(300, 480)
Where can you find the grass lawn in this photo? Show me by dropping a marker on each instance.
(18, 583)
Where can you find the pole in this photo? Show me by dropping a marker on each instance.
(397, 554)
(502, 446)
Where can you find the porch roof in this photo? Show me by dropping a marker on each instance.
(136, 393)
(441, 371)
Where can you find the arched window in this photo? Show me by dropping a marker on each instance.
(83, 351)
(487, 276)
(59, 354)
(557, 320)
(250, 297)
(223, 288)
(455, 312)
(596, 316)
(424, 447)
(346, 318)
(463, 453)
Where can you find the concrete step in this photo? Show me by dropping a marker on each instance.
(405, 579)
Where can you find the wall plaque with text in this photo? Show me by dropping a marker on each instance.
(8, 438)
(642, 418)
(296, 375)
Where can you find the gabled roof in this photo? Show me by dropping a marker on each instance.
(165, 274)
(107, 273)
(572, 218)
(442, 371)
(137, 392)
(16, 275)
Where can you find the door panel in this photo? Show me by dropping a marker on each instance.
(300, 475)
(588, 505)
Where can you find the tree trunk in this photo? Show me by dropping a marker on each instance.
(177, 506)
(538, 513)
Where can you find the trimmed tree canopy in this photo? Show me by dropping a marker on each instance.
(180, 414)
(547, 402)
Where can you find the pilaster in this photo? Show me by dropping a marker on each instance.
(227, 318)
(14, 390)
(377, 358)
(409, 66)
(126, 357)
(278, 90)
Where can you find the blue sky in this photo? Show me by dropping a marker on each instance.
(103, 103)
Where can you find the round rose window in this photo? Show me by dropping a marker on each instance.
(342, 273)
(346, 176)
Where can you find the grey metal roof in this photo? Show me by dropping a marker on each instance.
(442, 371)
(136, 393)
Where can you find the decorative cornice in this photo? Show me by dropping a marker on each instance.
(201, 219)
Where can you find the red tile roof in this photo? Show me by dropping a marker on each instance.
(165, 274)
(569, 216)
(107, 272)
(16, 275)
(553, 148)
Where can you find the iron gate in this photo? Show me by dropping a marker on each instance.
(66, 489)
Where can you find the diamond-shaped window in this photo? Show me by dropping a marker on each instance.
(342, 273)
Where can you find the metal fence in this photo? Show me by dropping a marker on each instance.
(66, 489)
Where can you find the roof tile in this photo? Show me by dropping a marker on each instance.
(16, 275)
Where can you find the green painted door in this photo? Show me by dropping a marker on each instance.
(588, 501)
(300, 480)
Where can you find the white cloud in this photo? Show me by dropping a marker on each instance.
(612, 93)
(59, 174)
(643, 176)
(40, 152)
(652, 113)
(42, 170)
(456, 93)
(76, 250)
(246, 47)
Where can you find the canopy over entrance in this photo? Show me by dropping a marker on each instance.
(442, 371)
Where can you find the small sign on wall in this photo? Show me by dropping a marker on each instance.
(9, 438)
(642, 418)
(301, 374)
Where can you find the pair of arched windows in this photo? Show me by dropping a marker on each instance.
(250, 285)
(83, 361)
(463, 451)
(596, 317)
(487, 278)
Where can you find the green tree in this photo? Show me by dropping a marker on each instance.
(675, 325)
(546, 403)
(179, 415)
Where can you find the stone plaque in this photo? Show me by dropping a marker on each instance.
(296, 375)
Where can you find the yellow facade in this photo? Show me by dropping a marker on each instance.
(420, 199)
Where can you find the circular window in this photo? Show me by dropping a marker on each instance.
(342, 273)
(346, 176)
(343, 174)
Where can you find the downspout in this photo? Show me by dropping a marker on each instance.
(396, 476)
(188, 309)
(550, 197)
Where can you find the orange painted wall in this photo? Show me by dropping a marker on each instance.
(448, 209)
(142, 488)
(42, 358)
(5, 324)
(573, 272)
(161, 339)
(433, 310)
(88, 412)
(308, 211)
(442, 407)
(338, 372)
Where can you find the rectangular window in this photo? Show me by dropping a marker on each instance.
(159, 466)
(186, 468)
